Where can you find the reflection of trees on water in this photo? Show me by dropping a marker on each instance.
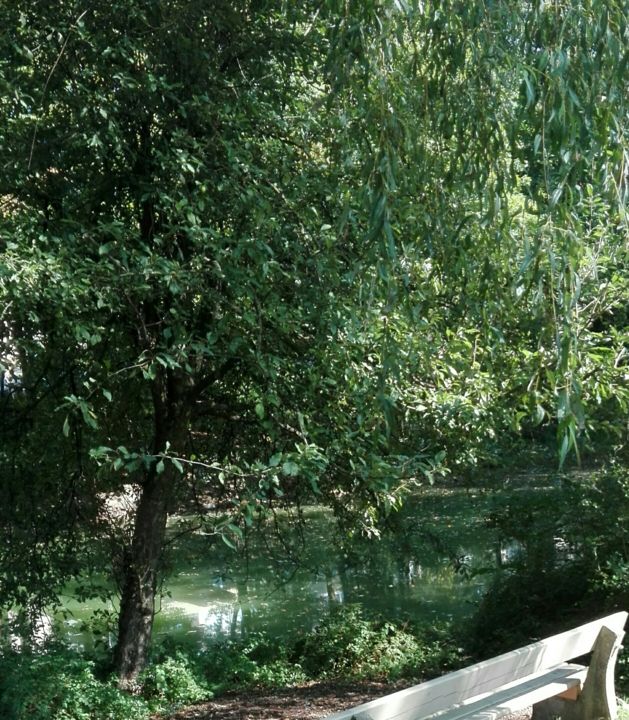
(414, 571)
(507, 553)
(243, 612)
(426, 570)
(333, 587)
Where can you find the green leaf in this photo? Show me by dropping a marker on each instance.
(537, 143)
(177, 464)
(565, 449)
(290, 468)
(227, 541)
(556, 195)
(530, 90)
(237, 531)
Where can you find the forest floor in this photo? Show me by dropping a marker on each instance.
(307, 702)
(312, 700)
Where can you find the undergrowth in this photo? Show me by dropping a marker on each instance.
(55, 683)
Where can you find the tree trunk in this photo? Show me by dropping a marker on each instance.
(142, 562)
(137, 603)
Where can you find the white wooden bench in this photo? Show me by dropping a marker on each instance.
(538, 675)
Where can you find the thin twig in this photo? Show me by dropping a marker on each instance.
(52, 69)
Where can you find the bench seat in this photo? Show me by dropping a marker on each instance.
(518, 695)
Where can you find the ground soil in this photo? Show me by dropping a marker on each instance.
(307, 702)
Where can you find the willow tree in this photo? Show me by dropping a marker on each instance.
(241, 247)
(498, 186)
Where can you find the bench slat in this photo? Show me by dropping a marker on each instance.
(513, 696)
(518, 695)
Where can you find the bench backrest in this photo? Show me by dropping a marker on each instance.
(445, 692)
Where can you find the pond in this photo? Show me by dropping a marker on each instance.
(432, 564)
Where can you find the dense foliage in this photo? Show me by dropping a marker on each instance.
(571, 563)
(262, 253)
(58, 685)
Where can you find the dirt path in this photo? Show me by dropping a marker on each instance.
(308, 702)
(315, 700)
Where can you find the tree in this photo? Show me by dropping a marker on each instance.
(168, 264)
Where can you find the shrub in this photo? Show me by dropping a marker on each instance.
(523, 604)
(339, 645)
(58, 685)
(279, 673)
(172, 683)
(346, 644)
(574, 563)
(258, 660)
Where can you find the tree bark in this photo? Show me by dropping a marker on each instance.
(142, 562)
(137, 603)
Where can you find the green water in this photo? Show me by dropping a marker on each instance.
(431, 564)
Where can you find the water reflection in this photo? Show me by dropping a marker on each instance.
(431, 564)
(416, 571)
(216, 619)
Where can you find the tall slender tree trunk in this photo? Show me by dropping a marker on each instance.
(137, 603)
(142, 563)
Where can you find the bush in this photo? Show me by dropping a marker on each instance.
(573, 564)
(339, 645)
(346, 644)
(279, 673)
(172, 683)
(258, 660)
(523, 604)
(59, 685)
